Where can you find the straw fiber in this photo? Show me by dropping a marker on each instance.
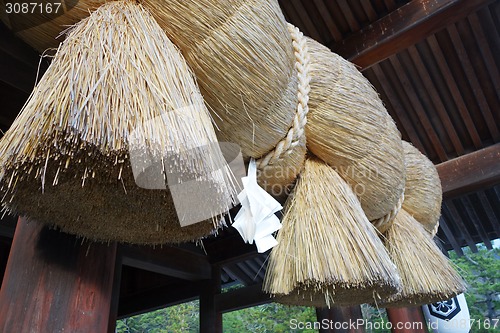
(328, 252)
(426, 274)
(349, 128)
(423, 193)
(243, 57)
(65, 160)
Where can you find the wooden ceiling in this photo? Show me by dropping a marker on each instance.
(435, 64)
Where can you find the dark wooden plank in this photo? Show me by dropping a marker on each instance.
(450, 210)
(398, 107)
(339, 319)
(293, 17)
(439, 107)
(369, 10)
(210, 313)
(476, 222)
(167, 260)
(348, 14)
(455, 91)
(419, 110)
(242, 298)
(329, 21)
(258, 269)
(306, 20)
(18, 49)
(236, 273)
(404, 27)
(410, 319)
(450, 237)
(158, 298)
(16, 74)
(485, 50)
(474, 82)
(229, 248)
(115, 295)
(56, 283)
(470, 172)
(488, 209)
(390, 5)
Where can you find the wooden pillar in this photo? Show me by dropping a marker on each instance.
(115, 294)
(55, 282)
(345, 319)
(407, 320)
(210, 314)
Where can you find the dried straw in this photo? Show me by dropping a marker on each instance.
(65, 160)
(423, 193)
(241, 52)
(243, 57)
(426, 274)
(349, 128)
(327, 252)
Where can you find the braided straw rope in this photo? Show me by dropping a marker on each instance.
(435, 230)
(384, 223)
(299, 121)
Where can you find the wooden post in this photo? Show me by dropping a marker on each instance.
(55, 282)
(345, 319)
(210, 314)
(407, 320)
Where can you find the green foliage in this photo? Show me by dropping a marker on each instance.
(272, 317)
(182, 318)
(482, 272)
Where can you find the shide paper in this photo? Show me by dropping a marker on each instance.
(256, 220)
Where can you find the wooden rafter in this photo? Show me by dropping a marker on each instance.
(403, 28)
(470, 172)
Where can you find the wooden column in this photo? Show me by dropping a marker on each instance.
(341, 319)
(54, 282)
(407, 320)
(210, 314)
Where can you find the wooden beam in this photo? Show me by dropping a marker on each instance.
(402, 28)
(167, 260)
(158, 298)
(54, 282)
(470, 172)
(242, 298)
(210, 314)
(229, 248)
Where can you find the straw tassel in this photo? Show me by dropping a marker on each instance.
(117, 85)
(427, 276)
(328, 252)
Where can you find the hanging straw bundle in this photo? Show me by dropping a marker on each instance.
(116, 86)
(328, 252)
(250, 68)
(349, 128)
(252, 71)
(426, 274)
(423, 193)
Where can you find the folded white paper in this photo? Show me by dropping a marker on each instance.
(256, 220)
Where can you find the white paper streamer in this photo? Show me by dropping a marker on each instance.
(256, 220)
